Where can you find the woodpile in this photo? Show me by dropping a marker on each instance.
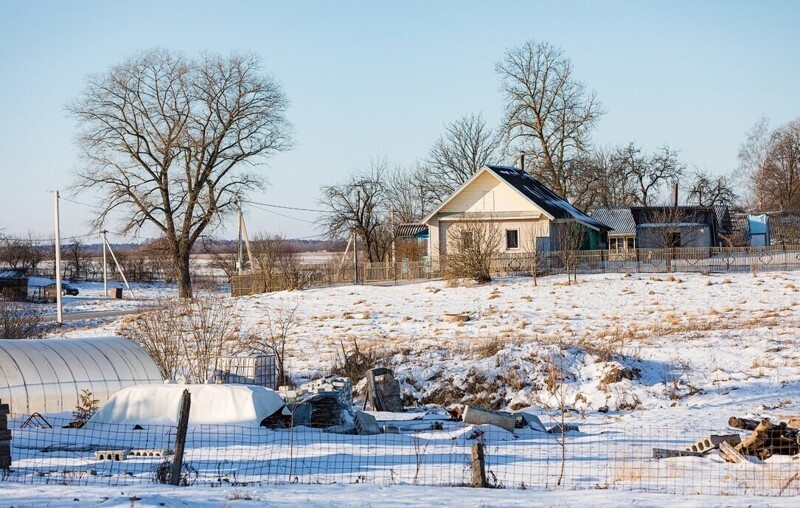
(766, 438)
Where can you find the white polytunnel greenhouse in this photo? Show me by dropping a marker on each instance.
(48, 375)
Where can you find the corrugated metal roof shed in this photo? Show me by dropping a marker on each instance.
(48, 375)
(412, 231)
(620, 219)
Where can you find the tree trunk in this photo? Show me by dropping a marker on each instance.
(181, 260)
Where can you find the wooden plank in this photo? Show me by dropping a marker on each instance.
(729, 453)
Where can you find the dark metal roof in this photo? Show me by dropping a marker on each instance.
(544, 198)
(619, 218)
(13, 273)
(412, 231)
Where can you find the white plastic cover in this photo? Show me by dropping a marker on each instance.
(48, 375)
(211, 404)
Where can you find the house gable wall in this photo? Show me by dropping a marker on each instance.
(487, 195)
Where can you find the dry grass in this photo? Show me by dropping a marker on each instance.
(488, 347)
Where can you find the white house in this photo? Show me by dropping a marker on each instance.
(525, 212)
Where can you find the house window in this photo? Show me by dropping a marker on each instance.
(631, 244)
(466, 240)
(512, 239)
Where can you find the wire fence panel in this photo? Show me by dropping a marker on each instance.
(699, 260)
(600, 456)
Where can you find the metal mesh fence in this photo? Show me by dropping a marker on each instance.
(600, 456)
(699, 260)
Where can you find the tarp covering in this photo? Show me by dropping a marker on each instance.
(758, 224)
(48, 375)
(211, 404)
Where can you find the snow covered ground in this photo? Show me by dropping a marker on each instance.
(670, 355)
(364, 495)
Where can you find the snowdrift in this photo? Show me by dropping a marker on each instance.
(211, 404)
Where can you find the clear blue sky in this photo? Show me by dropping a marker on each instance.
(379, 79)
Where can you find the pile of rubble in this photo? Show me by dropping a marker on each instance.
(765, 440)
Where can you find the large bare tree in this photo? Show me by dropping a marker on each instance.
(167, 139)
(548, 113)
(465, 147)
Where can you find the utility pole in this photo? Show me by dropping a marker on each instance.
(59, 308)
(104, 240)
(240, 257)
(355, 256)
(392, 228)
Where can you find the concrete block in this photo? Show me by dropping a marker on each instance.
(524, 419)
(480, 416)
(366, 424)
(115, 455)
(568, 427)
(663, 453)
(713, 441)
(150, 453)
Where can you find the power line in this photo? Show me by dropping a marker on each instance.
(82, 204)
(282, 215)
(285, 207)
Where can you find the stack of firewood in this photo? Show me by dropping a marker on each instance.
(765, 440)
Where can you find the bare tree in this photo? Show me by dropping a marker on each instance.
(407, 197)
(360, 205)
(21, 253)
(272, 341)
(223, 256)
(165, 138)
(548, 112)
(772, 162)
(466, 146)
(648, 173)
(705, 189)
(277, 262)
(752, 157)
(471, 246)
(571, 237)
(76, 258)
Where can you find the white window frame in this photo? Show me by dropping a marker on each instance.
(516, 232)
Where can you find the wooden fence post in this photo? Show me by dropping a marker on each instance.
(180, 438)
(478, 466)
(5, 438)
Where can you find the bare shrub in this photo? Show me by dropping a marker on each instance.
(185, 337)
(355, 362)
(280, 321)
(18, 321)
(471, 246)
